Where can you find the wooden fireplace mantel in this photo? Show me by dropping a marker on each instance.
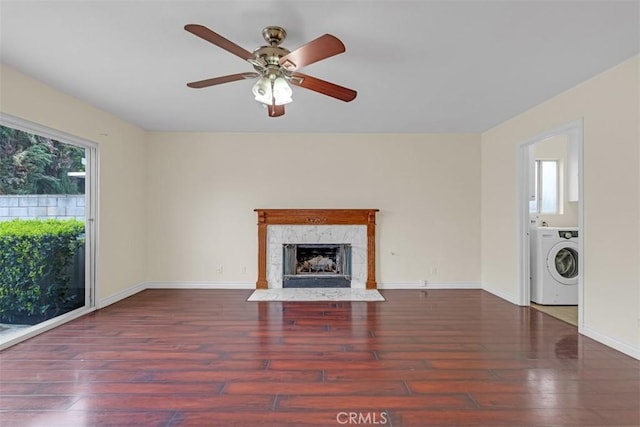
(316, 217)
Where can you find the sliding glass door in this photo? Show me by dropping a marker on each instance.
(46, 227)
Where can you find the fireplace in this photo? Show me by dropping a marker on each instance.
(354, 227)
(316, 265)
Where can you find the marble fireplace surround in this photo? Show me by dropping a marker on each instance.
(279, 226)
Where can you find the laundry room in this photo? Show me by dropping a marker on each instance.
(553, 209)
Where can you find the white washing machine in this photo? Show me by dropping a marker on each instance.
(554, 265)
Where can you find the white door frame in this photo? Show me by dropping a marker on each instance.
(574, 132)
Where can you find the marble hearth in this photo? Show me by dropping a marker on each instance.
(316, 294)
(279, 227)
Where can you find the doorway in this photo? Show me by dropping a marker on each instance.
(554, 201)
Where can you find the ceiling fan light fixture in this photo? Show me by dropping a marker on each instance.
(262, 90)
(272, 91)
(281, 92)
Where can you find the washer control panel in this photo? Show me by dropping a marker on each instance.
(568, 234)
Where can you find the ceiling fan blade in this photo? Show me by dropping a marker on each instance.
(215, 38)
(223, 79)
(323, 87)
(316, 50)
(275, 110)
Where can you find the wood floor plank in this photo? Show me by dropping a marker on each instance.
(365, 403)
(408, 374)
(559, 399)
(619, 417)
(495, 386)
(338, 365)
(500, 418)
(543, 374)
(80, 375)
(85, 418)
(254, 418)
(161, 365)
(177, 402)
(304, 355)
(378, 388)
(151, 388)
(422, 358)
(36, 402)
(255, 376)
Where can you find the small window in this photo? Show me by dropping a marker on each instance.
(547, 184)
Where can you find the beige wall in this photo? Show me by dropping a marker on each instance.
(122, 240)
(608, 105)
(203, 189)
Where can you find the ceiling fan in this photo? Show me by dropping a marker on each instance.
(276, 67)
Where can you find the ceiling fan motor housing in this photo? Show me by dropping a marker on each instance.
(268, 60)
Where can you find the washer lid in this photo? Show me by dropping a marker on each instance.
(562, 262)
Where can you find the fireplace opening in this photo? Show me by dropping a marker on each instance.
(316, 265)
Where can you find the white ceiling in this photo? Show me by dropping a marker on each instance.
(418, 66)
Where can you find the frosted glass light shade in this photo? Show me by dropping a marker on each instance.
(281, 92)
(262, 91)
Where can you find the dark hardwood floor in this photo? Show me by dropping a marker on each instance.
(421, 358)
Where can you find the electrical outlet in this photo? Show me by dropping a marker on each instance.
(244, 269)
(433, 271)
(219, 269)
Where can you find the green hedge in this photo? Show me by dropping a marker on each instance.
(36, 268)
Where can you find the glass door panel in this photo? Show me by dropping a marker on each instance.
(43, 238)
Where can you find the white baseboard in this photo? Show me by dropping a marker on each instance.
(429, 285)
(513, 299)
(623, 347)
(121, 295)
(453, 285)
(200, 285)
